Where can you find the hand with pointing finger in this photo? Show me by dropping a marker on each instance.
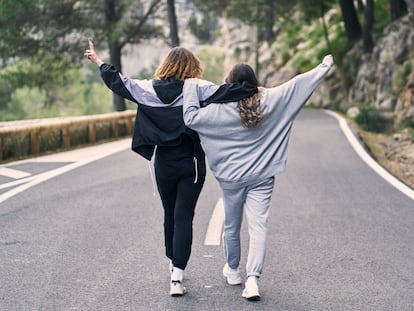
(91, 54)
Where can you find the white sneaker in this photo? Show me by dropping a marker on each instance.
(233, 278)
(251, 290)
(177, 289)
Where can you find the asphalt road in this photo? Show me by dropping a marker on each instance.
(81, 232)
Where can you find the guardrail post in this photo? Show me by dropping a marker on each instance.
(114, 124)
(65, 137)
(128, 125)
(1, 148)
(34, 141)
(92, 132)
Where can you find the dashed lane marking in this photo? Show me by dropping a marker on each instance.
(215, 226)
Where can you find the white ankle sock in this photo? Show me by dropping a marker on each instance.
(177, 274)
(252, 278)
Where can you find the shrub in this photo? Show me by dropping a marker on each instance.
(370, 119)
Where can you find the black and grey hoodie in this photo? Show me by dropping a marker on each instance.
(159, 120)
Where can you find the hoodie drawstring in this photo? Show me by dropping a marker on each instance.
(152, 178)
(196, 170)
(152, 174)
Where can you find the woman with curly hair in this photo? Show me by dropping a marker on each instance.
(246, 140)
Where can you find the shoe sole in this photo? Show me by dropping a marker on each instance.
(253, 298)
(233, 283)
(177, 294)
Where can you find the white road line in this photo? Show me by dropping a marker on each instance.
(215, 226)
(83, 156)
(12, 173)
(368, 159)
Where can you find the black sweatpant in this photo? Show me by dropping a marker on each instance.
(175, 173)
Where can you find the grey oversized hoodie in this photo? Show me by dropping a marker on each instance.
(241, 156)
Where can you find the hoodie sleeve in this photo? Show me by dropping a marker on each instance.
(293, 94)
(114, 81)
(191, 103)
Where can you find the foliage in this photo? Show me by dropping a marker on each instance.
(5, 94)
(213, 63)
(370, 119)
(73, 97)
(407, 123)
(400, 78)
(204, 29)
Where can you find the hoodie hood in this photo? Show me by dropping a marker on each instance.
(231, 92)
(168, 90)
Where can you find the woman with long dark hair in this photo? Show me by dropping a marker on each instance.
(246, 140)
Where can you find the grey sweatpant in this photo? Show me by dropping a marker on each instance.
(254, 200)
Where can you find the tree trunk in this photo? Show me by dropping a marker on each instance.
(111, 19)
(172, 20)
(269, 18)
(398, 8)
(115, 59)
(361, 6)
(350, 18)
(367, 41)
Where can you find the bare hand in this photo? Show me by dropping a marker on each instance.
(91, 54)
(328, 59)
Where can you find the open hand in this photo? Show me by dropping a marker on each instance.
(91, 55)
(328, 59)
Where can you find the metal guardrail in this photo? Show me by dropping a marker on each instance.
(23, 139)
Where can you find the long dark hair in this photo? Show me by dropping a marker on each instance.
(249, 108)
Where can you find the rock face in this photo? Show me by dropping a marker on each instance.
(405, 103)
(384, 78)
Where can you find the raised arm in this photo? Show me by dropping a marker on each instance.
(293, 94)
(110, 75)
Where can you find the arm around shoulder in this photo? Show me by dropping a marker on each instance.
(191, 103)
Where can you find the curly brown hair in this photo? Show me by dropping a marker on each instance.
(180, 64)
(249, 108)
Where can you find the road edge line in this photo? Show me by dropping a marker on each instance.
(364, 155)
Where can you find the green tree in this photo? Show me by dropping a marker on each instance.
(52, 34)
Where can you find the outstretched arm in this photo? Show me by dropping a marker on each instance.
(110, 75)
(91, 54)
(293, 94)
